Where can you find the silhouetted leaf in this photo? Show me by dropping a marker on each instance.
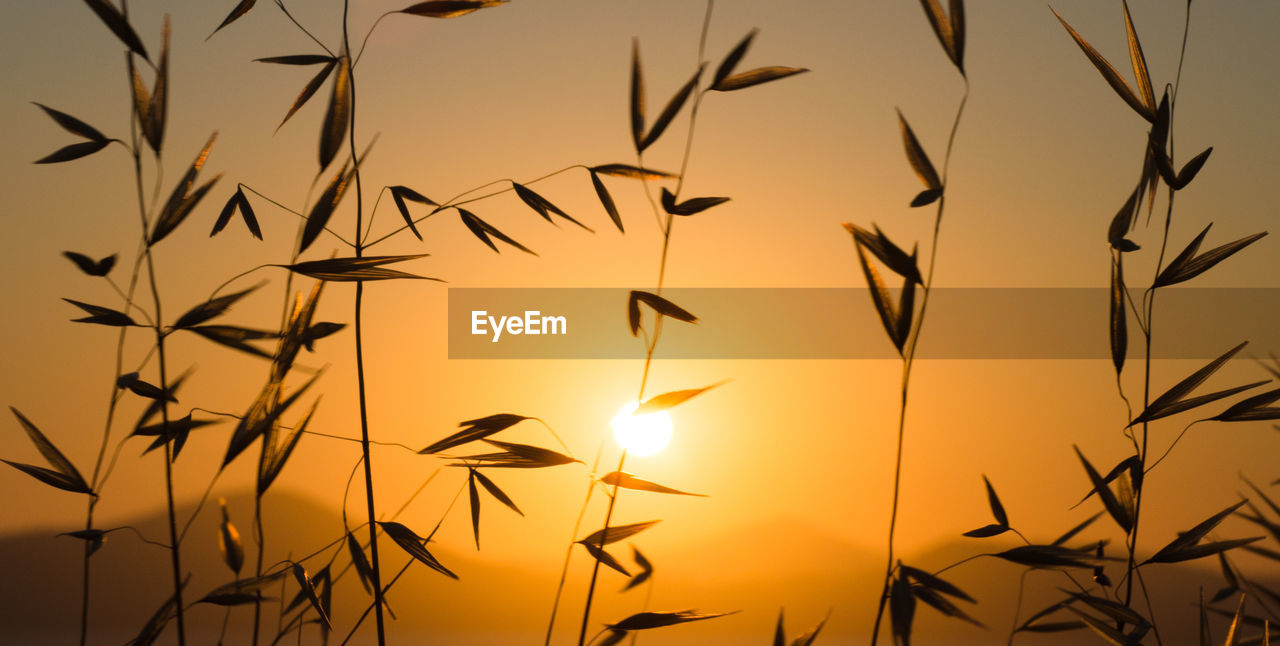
(1187, 269)
(658, 304)
(1071, 533)
(646, 569)
(476, 429)
(887, 252)
(1123, 219)
(157, 114)
(997, 509)
(542, 206)
(309, 90)
(690, 206)
(1048, 556)
(298, 59)
(902, 610)
(89, 265)
(210, 309)
(94, 538)
(413, 545)
(155, 625)
(1119, 328)
(1118, 512)
(637, 97)
(402, 193)
(647, 620)
(360, 562)
(1252, 409)
(240, 10)
(926, 197)
(958, 33)
(516, 456)
(183, 199)
(605, 558)
(235, 337)
(879, 295)
(934, 583)
(987, 531)
(175, 431)
(229, 544)
(1108, 633)
(324, 207)
(495, 491)
(633, 172)
(670, 111)
(72, 152)
(141, 388)
(101, 315)
(72, 124)
(916, 156)
(335, 118)
(614, 638)
(262, 416)
(276, 457)
(616, 533)
(241, 201)
(941, 27)
(628, 481)
(1139, 61)
(670, 399)
(942, 604)
(319, 331)
(1172, 401)
(449, 8)
(354, 269)
(606, 201)
(1189, 538)
(1109, 73)
(731, 60)
(115, 21)
(482, 230)
(1116, 611)
(474, 497)
(304, 582)
(756, 77)
(1190, 170)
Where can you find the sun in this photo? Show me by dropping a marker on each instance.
(641, 435)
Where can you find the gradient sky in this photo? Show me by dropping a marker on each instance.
(1045, 156)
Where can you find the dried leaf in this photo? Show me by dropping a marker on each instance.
(72, 152)
(89, 265)
(670, 399)
(690, 206)
(336, 117)
(1192, 168)
(756, 77)
(628, 481)
(309, 90)
(476, 429)
(958, 33)
(482, 230)
(354, 269)
(1172, 400)
(887, 252)
(542, 206)
(304, 582)
(645, 573)
(474, 497)
(1252, 409)
(1138, 60)
(1108, 633)
(101, 315)
(1109, 73)
(324, 207)
(235, 337)
(916, 156)
(93, 538)
(1049, 556)
(880, 297)
(240, 10)
(731, 60)
(402, 193)
(516, 456)
(1192, 536)
(262, 417)
(158, 111)
(934, 583)
(273, 463)
(902, 610)
(647, 620)
(605, 558)
(616, 533)
(449, 8)
(659, 304)
(941, 27)
(115, 21)
(183, 199)
(495, 491)
(210, 309)
(637, 97)
(67, 476)
(413, 545)
(72, 124)
(1118, 512)
(926, 197)
(987, 531)
(633, 172)
(298, 59)
(1119, 330)
(670, 111)
(606, 201)
(360, 562)
(1071, 533)
(229, 544)
(997, 509)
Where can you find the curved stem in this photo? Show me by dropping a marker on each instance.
(577, 525)
(595, 569)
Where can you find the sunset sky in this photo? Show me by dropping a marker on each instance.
(795, 455)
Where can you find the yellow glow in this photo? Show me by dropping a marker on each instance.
(641, 435)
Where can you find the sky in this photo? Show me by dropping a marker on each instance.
(1045, 155)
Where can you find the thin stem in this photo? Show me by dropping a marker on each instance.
(280, 3)
(577, 525)
(595, 569)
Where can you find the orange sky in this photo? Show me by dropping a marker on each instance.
(1043, 159)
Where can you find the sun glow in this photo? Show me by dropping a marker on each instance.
(641, 435)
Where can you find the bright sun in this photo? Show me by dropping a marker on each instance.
(641, 434)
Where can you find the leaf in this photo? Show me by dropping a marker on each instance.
(1109, 73)
(1123, 219)
(628, 481)
(941, 27)
(72, 124)
(89, 265)
(1172, 400)
(482, 230)
(273, 463)
(1252, 409)
(613, 638)
(158, 111)
(229, 544)
(261, 417)
(606, 201)
(916, 156)
(1118, 512)
(633, 172)
(155, 625)
(731, 60)
(958, 33)
(182, 200)
(339, 112)
(647, 620)
(240, 201)
(354, 269)
(240, 10)
(756, 77)
(1192, 536)
(309, 90)
(115, 21)
(889, 253)
(101, 315)
(298, 59)
(93, 538)
(1048, 556)
(934, 583)
(902, 610)
(542, 206)
(1178, 272)
(658, 304)
(637, 97)
(1118, 329)
(1139, 61)
(1192, 168)
(1232, 630)
(235, 337)
(602, 537)
(879, 296)
(517, 456)
(670, 111)
(987, 531)
(141, 98)
(474, 497)
(72, 152)
(50, 477)
(926, 197)
(304, 582)
(210, 309)
(997, 509)
(1077, 529)
(1110, 634)
(605, 558)
(942, 604)
(1116, 611)
(69, 478)
(690, 206)
(449, 8)
(646, 569)
(144, 389)
(670, 399)
(413, 545)
(324, 207)
(402, 193)
(476, 429)
(360, 562)
(495, 491)
(319, 331)
(779, 637)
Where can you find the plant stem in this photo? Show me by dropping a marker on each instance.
(595, 569)
(359, 306)
(577, 525)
